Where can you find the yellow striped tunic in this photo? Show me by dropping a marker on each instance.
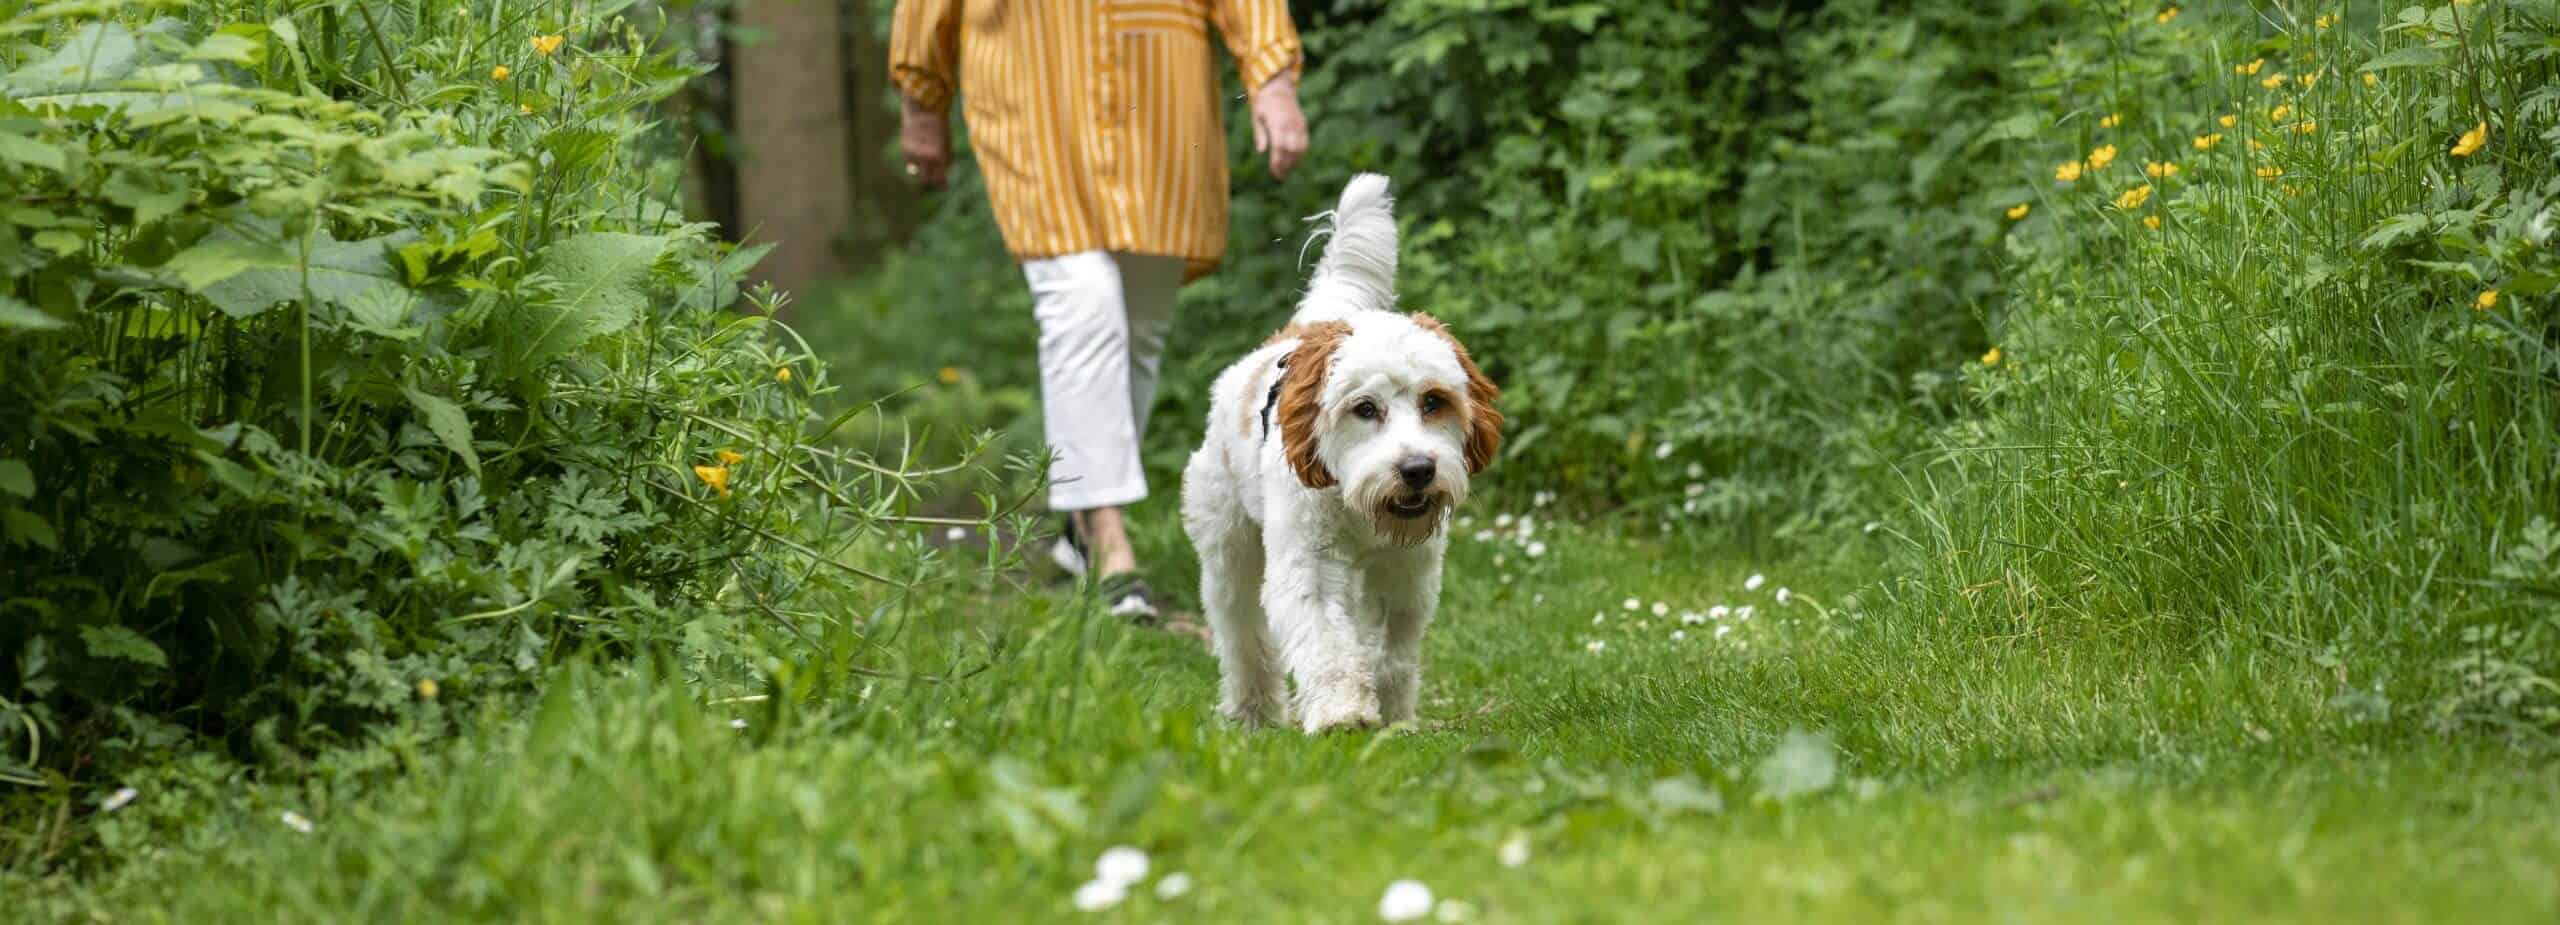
(1096, 122)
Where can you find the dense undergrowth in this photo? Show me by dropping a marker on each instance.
(355, 368)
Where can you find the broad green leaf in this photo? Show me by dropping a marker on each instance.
(152, 195)
(30, 151)
(604, 285)
(20, 316)
(121, 642)
(17, 479)
(229, 47)
(97, 55)
(2396, 229)
(25, 527)
(2412, 56)
(383, 311)
(221, 256)
(450, 425)
(243, 278)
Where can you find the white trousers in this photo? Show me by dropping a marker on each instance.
(1102, 325)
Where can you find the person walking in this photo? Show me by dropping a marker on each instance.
(1098, 127)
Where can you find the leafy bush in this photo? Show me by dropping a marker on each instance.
(357, 361)
(2278, 366)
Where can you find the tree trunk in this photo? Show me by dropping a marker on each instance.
(787, 91)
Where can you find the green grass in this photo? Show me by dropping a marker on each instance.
(2017, 779)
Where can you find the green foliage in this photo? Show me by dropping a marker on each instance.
(2302, 389)
(344, 378)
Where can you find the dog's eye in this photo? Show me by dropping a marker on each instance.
(1365, 410)
(1431, 404)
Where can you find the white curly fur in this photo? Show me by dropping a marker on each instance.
(1332, 586)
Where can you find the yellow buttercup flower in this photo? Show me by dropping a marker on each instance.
(2100, 158)
(2308, 126)
(2018, 211)
(2134, 198)
(2277, 114)
(2206, 142)
(2292, 190)
(2159, 170)
(2151, 221)
(2067, 171)
(2307, 80)
(1992, 358)
(2370, 79)
(546, 44)
(2488, 299)
(2270, 172)
(950, 375)
(2255, 146)
(2326, 21)
(2273, 81)
(2472, 141)
(730, 457)
(782, 375)
(2165, 15)
(2251, 68)
(499, 73)
(523, 109)
(2229, 120)
(715, 476)
(427, 689)
(2111, 121)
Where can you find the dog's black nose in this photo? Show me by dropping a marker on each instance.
(1417, 470)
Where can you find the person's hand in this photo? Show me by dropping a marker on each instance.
(924, 137)
(1278, 127)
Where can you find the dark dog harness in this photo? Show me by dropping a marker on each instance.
(1273, 400)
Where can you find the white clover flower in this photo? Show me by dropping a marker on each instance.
(1692, 618)
(1754, 582)
(737, 724)
(1097, 895)
(1719, 612)
(1661, 609)
(1123, 865)
(1514, 851)
(1697, 471)
(1542, 499)
(1539, 598)
(118, 799)
(956, 534)
(1502, 522)
(1594, 646)
(295, 821)
(1404, 901)
(1744, 613)
(1633, 604)
(1597, 616)
(1696, 488)
(1783, 595)
(1662, 451)
(1722, 630)
(1677, 635)
(1535, 550)
(1173, 886)
(1484, 536)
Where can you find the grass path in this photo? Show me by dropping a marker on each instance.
(2022, 779)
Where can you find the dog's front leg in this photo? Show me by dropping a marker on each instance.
(1308, 596)
(1407, 590)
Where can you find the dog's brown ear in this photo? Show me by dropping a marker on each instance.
(1301, 398)
(1484, 410)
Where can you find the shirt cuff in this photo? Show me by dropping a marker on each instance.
(925, 90)
(1278, 59)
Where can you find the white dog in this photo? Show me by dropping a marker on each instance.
(1320, 498)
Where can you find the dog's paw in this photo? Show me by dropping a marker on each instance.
(1254, 715)
(1344, 708)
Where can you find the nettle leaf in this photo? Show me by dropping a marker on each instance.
(446, 420)
(33, 152)
(20, 316)
(230, 47)
(17, 479)
(244, 277)
(99, 54)
(151, 194)
(2396, 229)
(604, 285)
(121, 642)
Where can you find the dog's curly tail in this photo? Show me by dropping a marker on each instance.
(1358, 271)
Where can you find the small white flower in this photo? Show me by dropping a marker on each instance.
(1744, 613)
(1696, 488)
(118, 799)
(1597, 617)
(737, 724)
(1697, 471)
(1594, 646)
(1502, 522)
(1539, 598)
(1098, 895)
(1719, 612)
(1783, 595)
(294, 821)
(1754, 582)
(1514, 851)
(1663, 451)
(1536, 549)
(956, 534)
(1497, 559)
(1677, 635)
(1122, 865)
(1404, 901)
(1871, 527)
(1173, 886)
(1633, 604)
(1484, 536)
(1692, 618)
(1722, 630)
(1661, 609)
(1542, 499)
(1686, 507)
